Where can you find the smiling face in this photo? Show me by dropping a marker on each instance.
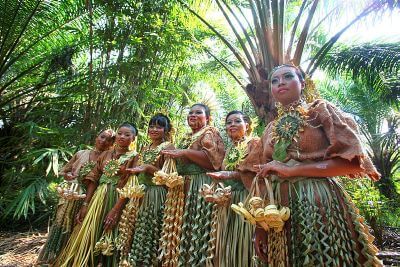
(286, 85)
(156, 133)
(125, 136)
(104, 140)
(197, 118)
(236, 126)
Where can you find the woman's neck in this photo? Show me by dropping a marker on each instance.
(156, 143)
(238, 140)
(196, 130)
(121, 149)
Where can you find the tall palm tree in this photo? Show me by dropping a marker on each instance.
(261, 43)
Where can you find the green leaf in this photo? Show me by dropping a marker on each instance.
(280, 153)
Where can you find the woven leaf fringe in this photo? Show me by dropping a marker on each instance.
(196, 225)
(79, 250)
(234, 238)
(148, 228)
(172, 226)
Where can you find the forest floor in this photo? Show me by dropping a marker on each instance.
(21, 249)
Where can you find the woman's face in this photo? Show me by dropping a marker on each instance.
(124, 137)
(197, 117)
(236, 126)
(286, 86)
(104, 140)
(155, 132)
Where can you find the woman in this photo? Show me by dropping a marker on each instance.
(202, 150)
(305, 148)
(92, 242)
(234, 248)
(77, 168)
(148, 224)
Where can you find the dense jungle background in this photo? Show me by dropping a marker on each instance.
(70, 68)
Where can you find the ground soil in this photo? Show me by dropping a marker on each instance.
(21, 249)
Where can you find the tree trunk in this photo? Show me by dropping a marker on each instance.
(262, 100)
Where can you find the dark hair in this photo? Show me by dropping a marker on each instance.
(163, 121)
(206, 109)
(245, 118)
(112, 132)
(130, 126)
(299, 72)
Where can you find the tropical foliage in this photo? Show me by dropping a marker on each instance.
(280, 32)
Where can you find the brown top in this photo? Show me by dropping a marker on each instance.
(330, 133)
(76, 162)
(211, 143)
(103, 159)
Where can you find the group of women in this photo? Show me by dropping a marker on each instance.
(294, 164)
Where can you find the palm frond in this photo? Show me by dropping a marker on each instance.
(377, 65)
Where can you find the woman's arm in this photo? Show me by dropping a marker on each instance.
(196, 156)
(90, 188)
(224, 175)
(113, 215)
(325, 168)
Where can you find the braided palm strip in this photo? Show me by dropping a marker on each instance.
(196, 225)
(200, 232)
(341, 243)
(234, 236)
(126, 228)
(319, 236)
(186, 226)
(61, 230)
(148, 227)
(364, 237)
(172, 228)
(277, 248)
(294, 221)
(306, 231)
(141, 251)
(216, 210)
(164, 253)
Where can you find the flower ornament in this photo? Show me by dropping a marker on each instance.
(286, 128)
(111, 168)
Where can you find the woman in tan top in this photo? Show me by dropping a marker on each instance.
(234, 245)
(92, 242)
(305, 148)
(200, 151)
(77, 168)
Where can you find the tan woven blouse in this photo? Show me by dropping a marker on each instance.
(330, 133)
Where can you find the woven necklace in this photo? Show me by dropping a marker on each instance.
(151, 155)
(286, 127)
(236, 154)
(189, 139)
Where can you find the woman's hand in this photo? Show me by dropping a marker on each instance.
(220, 176)
(111, 219)
(174, 153)
(137, 169)
(260, 243)
(69, 176)
(274, 167)
(81, 214)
